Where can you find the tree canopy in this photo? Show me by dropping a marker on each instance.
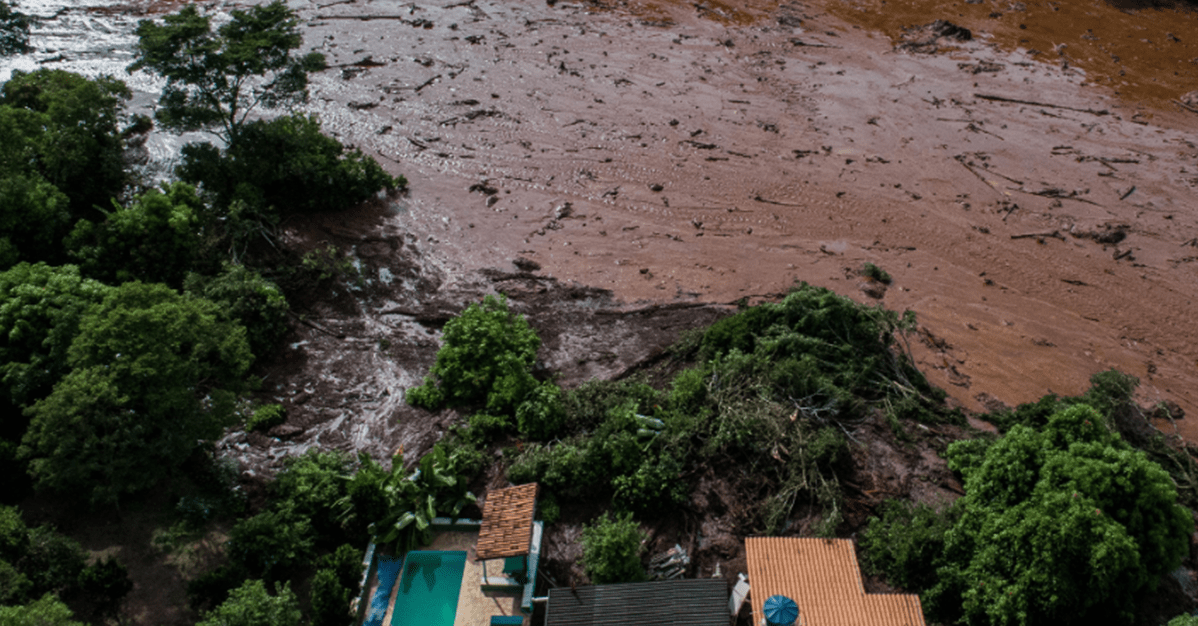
(215, 80)
(1058, 525)
(251, 605)
(75, 140)
(152, 373)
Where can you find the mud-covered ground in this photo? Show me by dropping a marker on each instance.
(625, 171)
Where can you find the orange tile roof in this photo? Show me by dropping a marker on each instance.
(822, 577)
(507, 522)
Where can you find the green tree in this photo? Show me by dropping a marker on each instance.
(1063, 524)
(330, 600)
(249, 298)
(47, 611)
(153, 239)
(217, 79)
(1184, 620)
(486, 356)
(40, 311)
(285, 164)
(34, 214)
(611, 550)
(105, 584)
(251, 605)
(153, 372)
(14, 30)
(270, 544)
(310, 486)
(78, 146)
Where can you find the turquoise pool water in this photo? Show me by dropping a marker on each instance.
(428, 588)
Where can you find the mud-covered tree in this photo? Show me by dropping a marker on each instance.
(216, 79)
(152, 373)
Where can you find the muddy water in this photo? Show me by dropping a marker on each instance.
(713, 156)
(678, 152)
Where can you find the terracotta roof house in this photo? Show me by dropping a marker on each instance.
(509, 541)
(822, 577)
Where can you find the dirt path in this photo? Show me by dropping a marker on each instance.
(676, 154)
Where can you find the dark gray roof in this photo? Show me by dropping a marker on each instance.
(694, 602)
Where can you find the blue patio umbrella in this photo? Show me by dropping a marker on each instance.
(780, 611)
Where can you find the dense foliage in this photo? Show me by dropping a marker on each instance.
(154, 238)
(485, 359)
(284, 166)
(41, 563)
(60, 157)
(611, 550)
(1061, 522)
(152, 373)
(765, 389)
(251, 605)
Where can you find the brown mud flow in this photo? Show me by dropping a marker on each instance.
(1041, 227)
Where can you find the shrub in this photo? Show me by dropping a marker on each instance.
(47, 611)
(655, 486)
(869, 270)
(540, 415)
(611, 550)
(905, 544)
(266, 417)
(310, 486)
(270, 543)
(330, 600)
(485, 358)
(251, 605)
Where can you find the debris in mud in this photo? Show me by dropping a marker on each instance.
(526, 265)
(484, 188)
(656, 187)
(981, 66)
(926, 39)
(1106, 234)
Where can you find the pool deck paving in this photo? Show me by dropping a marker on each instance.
(475, 606)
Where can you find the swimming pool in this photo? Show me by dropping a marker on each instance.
(428, 588)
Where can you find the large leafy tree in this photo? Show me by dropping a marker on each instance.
(153, 372)
(40, 310)
(1061, 524)
(76, 144)
(215, 80)
(155, 238)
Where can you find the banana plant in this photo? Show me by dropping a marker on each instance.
(412, 500)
